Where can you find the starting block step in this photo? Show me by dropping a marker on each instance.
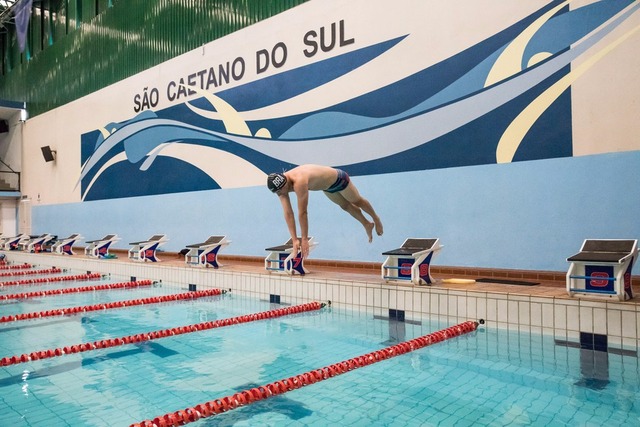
(602, 268)
(205, 254)
(282, 259)
(411, 261)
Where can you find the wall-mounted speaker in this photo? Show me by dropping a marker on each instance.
(48, 153)
(4, 126)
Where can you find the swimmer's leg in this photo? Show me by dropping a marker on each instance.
(352, 195)
(354, 211)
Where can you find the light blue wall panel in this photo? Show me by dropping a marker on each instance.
(527, 215)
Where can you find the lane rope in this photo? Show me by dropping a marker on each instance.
(50, 292)
(5, 266)
(40, 280)
(111, 305)
(245, 397)
(29, 272)
(149, 336)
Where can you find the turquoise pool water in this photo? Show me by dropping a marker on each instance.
(490, 377)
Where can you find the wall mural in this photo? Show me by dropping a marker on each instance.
(504, 99)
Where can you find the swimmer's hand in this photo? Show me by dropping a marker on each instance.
(296, 247)
(305, 247)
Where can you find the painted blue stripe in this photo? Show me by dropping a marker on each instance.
(593, 291)
(13, 104)
(15, 194)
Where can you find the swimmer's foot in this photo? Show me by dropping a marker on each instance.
(369, 229)
(379, 229)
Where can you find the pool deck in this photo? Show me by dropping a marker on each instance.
(542, 308)
(549, 284)
(544, 284)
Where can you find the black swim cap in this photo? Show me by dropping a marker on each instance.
(275, 181)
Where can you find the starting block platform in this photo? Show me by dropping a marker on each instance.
(411, 261)
(36, 243)
(602, 268)
(205, 254)
(146, 249)
(65, 246)
(100, 248)
(282, 259)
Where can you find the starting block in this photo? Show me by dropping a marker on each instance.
(602, 268)
(65, 246)
(205, 254)
(36, 243)
(282, 259)
(13, 243)
(411, 261)
(146, 249)
(100, 248)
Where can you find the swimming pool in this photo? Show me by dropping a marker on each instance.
(489, 377)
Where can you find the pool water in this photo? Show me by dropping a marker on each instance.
(490, 377)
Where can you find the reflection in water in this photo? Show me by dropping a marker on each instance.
(594, 368)
(25, 385)
(397, 331)
(594, 361)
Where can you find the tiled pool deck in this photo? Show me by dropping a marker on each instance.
(544, 308)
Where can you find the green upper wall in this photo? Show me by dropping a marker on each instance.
(76, 47)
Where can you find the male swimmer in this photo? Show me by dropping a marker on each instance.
(335, 184)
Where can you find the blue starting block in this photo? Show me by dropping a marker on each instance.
(411, 261)
(282, 259)
(602, 268)
(205, 254)
(65, 246)
(100, 248)
(146, 249)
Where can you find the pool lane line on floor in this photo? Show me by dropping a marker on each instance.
(41, 280)
(245, 397)
(111, 305)
(35, 294)
(163, 333)
(27, 272)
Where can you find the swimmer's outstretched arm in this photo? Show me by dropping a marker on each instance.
(303, 219)
(289, 217)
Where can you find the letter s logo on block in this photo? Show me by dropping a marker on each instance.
(599, 279)
(424, 270)
(405, 268)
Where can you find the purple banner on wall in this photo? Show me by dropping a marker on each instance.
(22, 12)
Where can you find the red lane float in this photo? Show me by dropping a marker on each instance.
(148, 336)
(80, 289)
(111, 305)
(40, 280)
(241, 398)
(30, 272)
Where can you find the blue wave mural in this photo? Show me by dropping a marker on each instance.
(507, 98)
